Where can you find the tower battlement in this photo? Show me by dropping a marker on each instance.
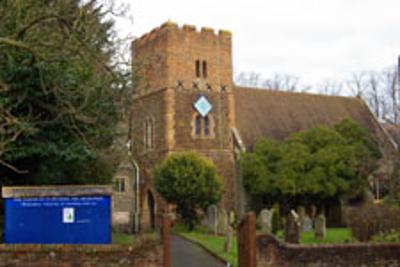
(172, 26)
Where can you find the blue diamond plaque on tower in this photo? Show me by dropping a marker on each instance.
(203, 106)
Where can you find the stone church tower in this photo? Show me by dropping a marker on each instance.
(183, 101)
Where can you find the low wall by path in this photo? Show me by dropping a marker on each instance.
(147, 251)
(272, 253)
(267, 251)
(145, 255)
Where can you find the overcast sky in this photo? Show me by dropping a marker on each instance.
(312, 39)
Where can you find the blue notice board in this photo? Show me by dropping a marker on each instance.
(58, 220)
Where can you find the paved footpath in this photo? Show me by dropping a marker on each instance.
(188, 254)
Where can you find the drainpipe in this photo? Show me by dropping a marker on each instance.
(137, 188)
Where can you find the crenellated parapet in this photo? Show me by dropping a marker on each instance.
(186, 28)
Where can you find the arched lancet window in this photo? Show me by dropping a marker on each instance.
(197, 68)
(206, 126)
(200, 69)
(204, 69)
(198, 125)
(149, 133)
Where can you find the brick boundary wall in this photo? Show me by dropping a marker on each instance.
(145, 253)
(270, 252)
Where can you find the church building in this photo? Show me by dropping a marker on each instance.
(185, 100)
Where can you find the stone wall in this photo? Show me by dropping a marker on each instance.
(146, 255)
(153, 106)
(266, 251)
(123, 203)
(272, 253)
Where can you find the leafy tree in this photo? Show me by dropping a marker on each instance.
(317, 165)
(190, 181)
(60, 83)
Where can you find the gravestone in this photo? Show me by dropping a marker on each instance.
(222, 221)
(306, 225)
(313, 212)
(302, 214)
(232, 218)
(292, 228)
(212, 218)
(265, 220)
(228, 239)
(320, 227)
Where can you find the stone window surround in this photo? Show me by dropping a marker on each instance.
(211, 126)
(120, 184)
(201, 69)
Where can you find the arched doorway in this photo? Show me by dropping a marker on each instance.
(151, 210)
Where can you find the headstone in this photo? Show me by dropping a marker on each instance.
(320, 227)
(265, 220)
(232, 218)
(313, 212)
(302, 214)
(228, 239)
(212, 218)
(222, 221)
(292, 228)
(306, 224)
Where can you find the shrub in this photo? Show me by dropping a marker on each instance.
(391, 236)
(190, 181)
(368, 220)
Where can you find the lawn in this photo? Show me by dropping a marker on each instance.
(333, 235)
(122, 239)
(216, 243)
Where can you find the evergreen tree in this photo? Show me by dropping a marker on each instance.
(313, 166)
(60, 80)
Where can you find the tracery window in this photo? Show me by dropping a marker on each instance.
(203, 126)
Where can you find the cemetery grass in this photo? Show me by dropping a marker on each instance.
(333, 236)
(216, 243)
(213, 243)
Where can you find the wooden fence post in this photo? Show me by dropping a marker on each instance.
(247, 241)
(166, 238)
